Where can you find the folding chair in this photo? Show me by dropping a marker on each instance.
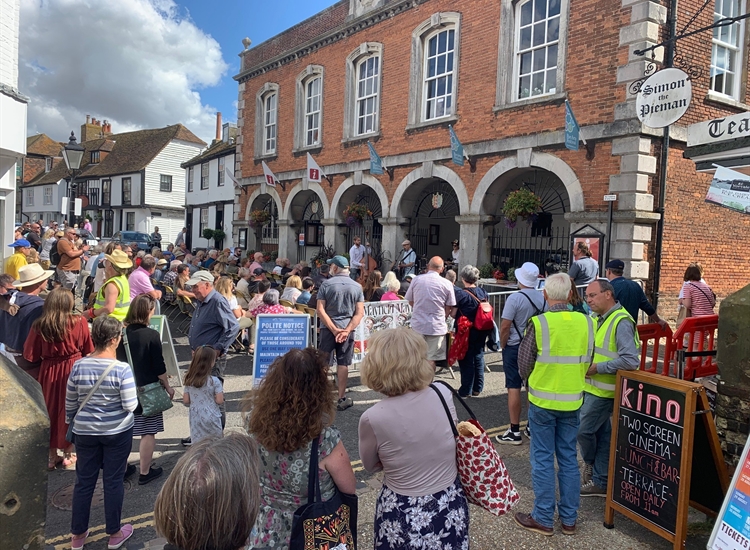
(286, 303)
(300, 307)
(187, 308)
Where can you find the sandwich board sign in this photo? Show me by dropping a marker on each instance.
(664, 456)
(732, 529)
(275, 335)
(160, 324)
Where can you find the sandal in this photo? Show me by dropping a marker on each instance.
(69, 462)
(53, 462)
(77, 541)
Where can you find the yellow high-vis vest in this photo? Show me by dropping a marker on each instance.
(123, 297)
(605, 349)
(564, 346)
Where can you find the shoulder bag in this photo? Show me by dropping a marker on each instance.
(153, 397)
(324, 524)
(69, 435)
(485, 318)
(483, 474)
(537, 311)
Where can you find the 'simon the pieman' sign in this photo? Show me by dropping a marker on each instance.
(664, 97)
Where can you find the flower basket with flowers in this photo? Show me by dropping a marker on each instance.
(259, 218)
(355, 213)
(523, 203)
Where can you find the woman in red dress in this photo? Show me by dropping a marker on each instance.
(58, 338)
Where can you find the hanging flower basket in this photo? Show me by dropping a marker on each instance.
(354, 214)
(521, 203)
(259, 218)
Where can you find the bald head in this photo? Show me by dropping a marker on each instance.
(436, 264)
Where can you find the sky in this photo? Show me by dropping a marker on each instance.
(141, 63)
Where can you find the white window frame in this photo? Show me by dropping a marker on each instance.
(204, 176)
(128, 225)
(736, 31)
(202, 224)
(47, 194)
(262, 149)
(533, 50)
(352, 100)
(270, 123)
(47, 164)
(191, 178)
(507, 70)
(30, 197)
(165, 179)
(313, 111)
(303, 112)
(447, 98)
(129, 201)
(220, 173)
(437, 23)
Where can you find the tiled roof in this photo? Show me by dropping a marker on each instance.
(218, 149)
(131, 152)
(42, 145)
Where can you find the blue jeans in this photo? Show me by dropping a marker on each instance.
(472, 365)
(108, 453)
(594, 435)
(554, 435)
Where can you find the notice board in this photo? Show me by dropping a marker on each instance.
(732, 529)
(161, 325)
(664, 455)
(274, 336)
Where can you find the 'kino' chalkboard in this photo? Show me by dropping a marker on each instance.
(663, 431)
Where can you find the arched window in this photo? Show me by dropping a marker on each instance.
(266, 120)
(362, 91)
(309, 112)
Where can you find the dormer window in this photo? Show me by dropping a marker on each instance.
(48, 164)
(94, 157)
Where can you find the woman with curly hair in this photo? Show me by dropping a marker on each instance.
(293, 406)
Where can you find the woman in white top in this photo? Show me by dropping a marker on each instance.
(408, 436)
(292, 289)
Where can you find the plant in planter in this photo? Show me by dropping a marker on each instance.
(259, 218)
(486, 271)
(498, 275)
(355, 213)
(512, 274)
(208, 234)
(325, 253)
(219, 235)
(523, 203)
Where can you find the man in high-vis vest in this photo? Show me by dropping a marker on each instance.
(616, 347)
(553, 357)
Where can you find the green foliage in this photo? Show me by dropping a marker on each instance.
(512, 274)
(523, 203)
(208, 234)
(486, 271)
(218, 235)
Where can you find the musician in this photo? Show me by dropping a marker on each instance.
(455, 253)
(407, 259)
(356, 258)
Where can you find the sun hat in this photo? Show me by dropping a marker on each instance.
(339, 261)
(161, 261)
(60, 234)
(20, 243)
(527, 274)
(120, 259)
(200, 277)
(179, 252)
(31, 274)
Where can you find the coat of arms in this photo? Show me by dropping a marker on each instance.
(437, 200)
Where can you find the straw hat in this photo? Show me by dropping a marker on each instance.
(118, 258)
(31, 274)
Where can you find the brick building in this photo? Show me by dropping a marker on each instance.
(397, 73)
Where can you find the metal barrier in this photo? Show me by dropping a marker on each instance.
(497, 300)
(695, 346)
(657, 346)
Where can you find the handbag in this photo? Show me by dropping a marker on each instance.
(460, 344)
(485, 317)
(153, 397)
(69, 435)
(483, 474)
(682, 314)
(324, 524)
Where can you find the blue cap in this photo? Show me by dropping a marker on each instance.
(339, 261)
(20, 243)
(615, 264)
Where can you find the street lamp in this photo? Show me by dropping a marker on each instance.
(73, 155)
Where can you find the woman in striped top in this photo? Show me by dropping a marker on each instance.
(103, 431)
(697, 296)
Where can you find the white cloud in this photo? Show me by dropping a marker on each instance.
(136, 63)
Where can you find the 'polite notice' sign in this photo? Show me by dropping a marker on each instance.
(664, 97)
(274, 336)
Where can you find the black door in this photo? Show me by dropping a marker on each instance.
(219, 244)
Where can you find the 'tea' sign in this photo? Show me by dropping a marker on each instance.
(664, 97)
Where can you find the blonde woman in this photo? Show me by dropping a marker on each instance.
(418, 457)
(293, 289)
(48, 240)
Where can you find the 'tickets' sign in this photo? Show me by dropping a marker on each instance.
(664, 98)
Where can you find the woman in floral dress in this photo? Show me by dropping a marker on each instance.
(294, 405)
(408, 436)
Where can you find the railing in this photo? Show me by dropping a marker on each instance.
(513, 247)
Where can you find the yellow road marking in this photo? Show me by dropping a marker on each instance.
(102, 527)
(100, 536)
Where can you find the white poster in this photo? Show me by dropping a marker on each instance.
(379, 316)
(730, 189)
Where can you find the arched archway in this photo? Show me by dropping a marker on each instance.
(265, 236)
(368, 230)
(305, 209)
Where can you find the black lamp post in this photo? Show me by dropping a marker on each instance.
(73, 155)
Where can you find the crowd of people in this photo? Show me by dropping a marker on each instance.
(564, 349)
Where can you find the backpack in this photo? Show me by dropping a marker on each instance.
(537, 311)
(485, 318)
(54, 255)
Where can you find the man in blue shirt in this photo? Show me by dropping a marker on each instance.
(630, 294)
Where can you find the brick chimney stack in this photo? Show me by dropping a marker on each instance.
(218, 126)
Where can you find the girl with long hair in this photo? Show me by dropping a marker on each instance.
(203, 394)
(372, 290)
(58, 338)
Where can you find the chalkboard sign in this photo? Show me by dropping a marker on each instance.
(665, 454)
(274, 336)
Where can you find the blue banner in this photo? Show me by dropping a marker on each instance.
(274, 336)
(376, 163)
(571, 129)
(457, 150)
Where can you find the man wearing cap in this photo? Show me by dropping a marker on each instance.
(405, 284)
(616, 347)
(630, 294)
(113, 297)
(340, 306)
(19, 310)
(70, 259)
(213, 324)
(259, 274)
(21, 249)
(519, 308)
(585, 268)
(432, 299)
(407, 259)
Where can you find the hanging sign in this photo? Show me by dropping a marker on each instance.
(664, 97)
(730, 189)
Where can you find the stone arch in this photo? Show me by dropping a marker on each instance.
(255, 194)
(370, 182)
(548, 162)
(305, 185)
(438, 171)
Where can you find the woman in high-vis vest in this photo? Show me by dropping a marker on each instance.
(113, 297)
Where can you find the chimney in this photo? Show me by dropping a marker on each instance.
(218, 126)
(88, 119)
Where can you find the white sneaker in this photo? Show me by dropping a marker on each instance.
(509, 438)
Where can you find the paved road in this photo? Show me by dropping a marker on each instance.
(487, 532)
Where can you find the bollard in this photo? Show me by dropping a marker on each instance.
(24, 447)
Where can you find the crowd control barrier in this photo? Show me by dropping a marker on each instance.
(657, 348)
(695, 347)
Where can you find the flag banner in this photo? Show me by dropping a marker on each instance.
(457, 150)
(730, 189)
(571, 128)
(376, 163)
(231, 177)
(271, 179)
(314, 173)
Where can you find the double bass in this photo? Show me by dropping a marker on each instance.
(369, 264)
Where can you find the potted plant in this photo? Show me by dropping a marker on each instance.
(259, 218)
(208, 234)
(498, 275)
(523, 203)
(219, 235)
(355, 213)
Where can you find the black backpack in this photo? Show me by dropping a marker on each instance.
(537, 311)
(54, 255)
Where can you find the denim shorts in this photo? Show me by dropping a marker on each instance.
(510, 367)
